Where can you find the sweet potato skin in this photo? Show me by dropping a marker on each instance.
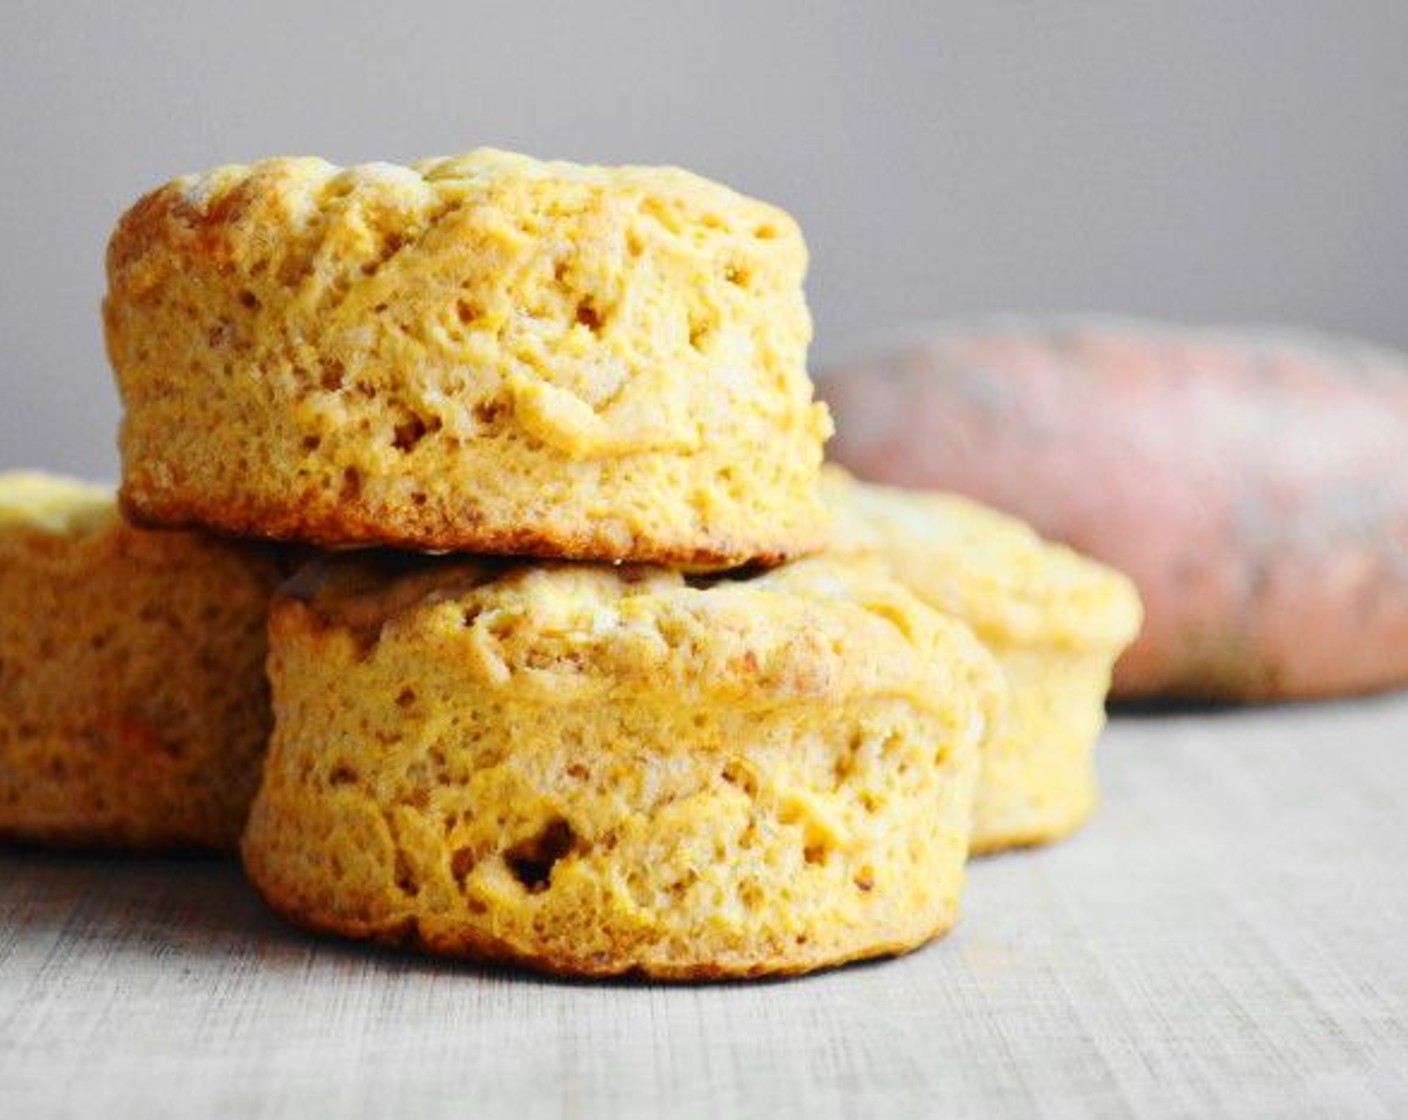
(1253, 483)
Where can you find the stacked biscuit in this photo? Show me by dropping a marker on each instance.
(592, 693)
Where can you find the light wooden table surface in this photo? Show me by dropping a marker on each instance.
(1229, 938)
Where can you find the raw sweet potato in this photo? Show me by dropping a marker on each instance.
(1254, 484)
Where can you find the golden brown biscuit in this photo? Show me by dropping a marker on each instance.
(484, 354)
(598, 771)
(1054, 620)
(133, 705)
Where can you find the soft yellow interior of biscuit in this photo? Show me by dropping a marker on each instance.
(52, 503)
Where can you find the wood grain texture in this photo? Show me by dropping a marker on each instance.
(1230, 937)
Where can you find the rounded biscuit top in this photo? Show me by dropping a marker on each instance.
(53, 504)
(991, 570)
(379, 197)
(813, 631)
(320, 234)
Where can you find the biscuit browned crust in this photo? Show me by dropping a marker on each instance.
(336, 528)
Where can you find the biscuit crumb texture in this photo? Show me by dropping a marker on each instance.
(596, 771)
(1055, 621)
(133, 705)
(485, 353)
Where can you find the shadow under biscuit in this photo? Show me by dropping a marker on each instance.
(194, 904)
(95, 910)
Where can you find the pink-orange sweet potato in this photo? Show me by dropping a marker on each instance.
(1254, 484)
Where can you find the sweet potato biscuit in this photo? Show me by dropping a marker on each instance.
(133, 704)
(1055, 621)
(598, 771)
(485, 353)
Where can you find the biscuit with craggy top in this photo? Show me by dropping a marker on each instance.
(598, 771)
(133, 705)
(1056, 621)
(485, 353)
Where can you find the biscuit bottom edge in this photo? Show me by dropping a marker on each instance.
(348, 526)
(474, 947)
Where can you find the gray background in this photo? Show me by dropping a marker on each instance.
(1199, 160)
